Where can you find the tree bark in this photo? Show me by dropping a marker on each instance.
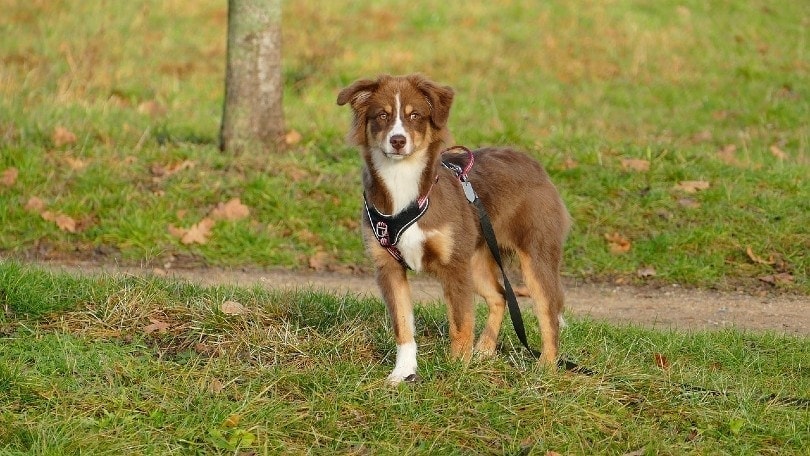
(253, 116)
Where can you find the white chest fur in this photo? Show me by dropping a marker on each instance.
(401, 179)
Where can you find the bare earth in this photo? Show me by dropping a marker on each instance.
(671, 307)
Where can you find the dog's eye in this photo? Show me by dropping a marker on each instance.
(382, 116)
(415, 116)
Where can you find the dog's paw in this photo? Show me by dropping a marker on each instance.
(398, 377)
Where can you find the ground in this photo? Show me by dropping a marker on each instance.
(661, 307)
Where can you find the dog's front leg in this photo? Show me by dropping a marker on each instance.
(458, 293)
(396, 293)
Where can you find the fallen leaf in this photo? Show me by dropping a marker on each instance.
(292, 137)
(701, 137)
(35, 205)
(232, 308)
(689, 203)
(728, 155)
(216, 386)
(152, 108)
(75, 164)
(778, 153)
(691, 186)
(570, 163)
(198, 233)
(758, 259)
(781, 278)
(64, 222)
(232, 210)
(9, 177)
(177, 232)
(645, 272)
(156, 326)
(161, 171)
(232, 420)
(617, 243)
(319, 260)
(635, 164)
(661, 361)
(62, 136)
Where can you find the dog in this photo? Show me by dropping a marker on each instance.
(400, 126)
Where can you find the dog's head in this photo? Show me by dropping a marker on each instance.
(397, 116)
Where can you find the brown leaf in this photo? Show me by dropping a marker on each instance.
(319, 261)
(232, 308)
(152, 108)
(570, 163)
(689, 203)
(661, 361)
(62, 136)
(232, 210)
(691, 186)
(156, 326)
(161, 171)
(635, 164)
(292, 137)
(702, 137)
(35, 205)
(728, 155)
(232, 420)
(75, 164)
(778, 153)
(216, 386)
(198, 233)
(781, 278)
(645, 272)
(617, 243)
(64, 222)
(9, 177)
(758, 259)
(177, 232)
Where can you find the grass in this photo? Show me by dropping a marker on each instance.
(303, 372)
(580, 87)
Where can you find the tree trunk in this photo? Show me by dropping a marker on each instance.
(253, 117)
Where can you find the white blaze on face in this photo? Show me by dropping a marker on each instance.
(398, 129)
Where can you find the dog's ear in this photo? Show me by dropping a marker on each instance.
(357, 93)
(439, 97)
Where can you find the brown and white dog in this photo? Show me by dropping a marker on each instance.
(400, 125)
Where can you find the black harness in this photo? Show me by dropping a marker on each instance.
(388, 228)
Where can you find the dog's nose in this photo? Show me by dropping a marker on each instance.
(398, 141)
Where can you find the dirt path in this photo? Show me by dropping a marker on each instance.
(662, 308)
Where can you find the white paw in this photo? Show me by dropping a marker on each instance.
(397, 377)
(405, 368)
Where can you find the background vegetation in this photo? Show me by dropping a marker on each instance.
(109, 115)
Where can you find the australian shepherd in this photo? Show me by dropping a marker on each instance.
(400, 125)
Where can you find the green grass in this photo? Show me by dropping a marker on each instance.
(578, 86)
(304, 372)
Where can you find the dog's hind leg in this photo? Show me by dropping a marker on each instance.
(396, 293)
(543, 280)
(485, 279)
